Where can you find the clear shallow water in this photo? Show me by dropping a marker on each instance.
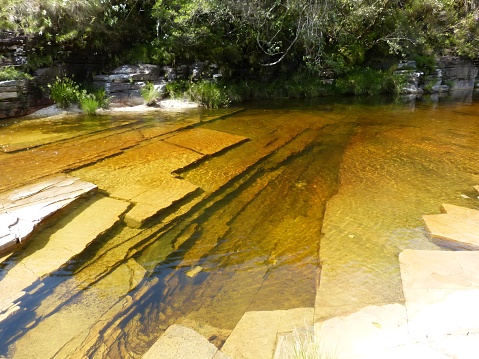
(327, 192)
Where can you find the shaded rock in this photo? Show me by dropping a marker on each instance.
(407, 65)
(459, 71)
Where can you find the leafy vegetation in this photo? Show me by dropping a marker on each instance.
(251, 39)
(89, 104)
(11, 73)
(208, 94)
(65, 92)
(149, 93)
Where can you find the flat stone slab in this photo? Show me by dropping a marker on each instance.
(254, 337)
(442, 293)
(182, 342)
(55, 246)
(22, 210)
(457, 228)
(373, 332)
(439, 319)
(205, 141)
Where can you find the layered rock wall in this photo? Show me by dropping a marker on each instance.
(458, 73)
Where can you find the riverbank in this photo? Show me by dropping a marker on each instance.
(166, 104)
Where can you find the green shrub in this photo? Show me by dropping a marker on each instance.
(425, 63)
(149, 94)
(362, 81)
(208, 94)
(395, 83)
(64, 92)
(11, 73)
(103, 101)
(177, 89)
(89, 104)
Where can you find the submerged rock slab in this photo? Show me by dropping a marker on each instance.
(457, 228)
(205, 141)
(55, 246)
(154, 201)
(22, 210)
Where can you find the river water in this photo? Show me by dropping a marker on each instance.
(312, 210)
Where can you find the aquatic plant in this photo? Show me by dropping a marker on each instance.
(64, 92)
(208, 94)
(103, 100)
(89, 104)
(177, 89)
(149, 93)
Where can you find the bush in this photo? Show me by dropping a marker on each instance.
(149, 93)
(64, 92)
(11, 73)
(103, 101)
(208, 94)
(176, 89)
(89, 103)
(362, 81)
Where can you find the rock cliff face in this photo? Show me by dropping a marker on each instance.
(459, 73)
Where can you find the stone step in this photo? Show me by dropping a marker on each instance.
(457, 228)
(182, 342)
(442, 291)
(438, 321)
(24, 209)
(56, 245)
(255, 336)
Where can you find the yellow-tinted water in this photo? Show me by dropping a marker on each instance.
(326, 193)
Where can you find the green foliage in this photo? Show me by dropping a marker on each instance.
(89, 103)
(65, 92)
(61, 28)
(11, 73)
(249, 35)
(176, 89)
(149, 93)
(425, 63)
(103, 101)
(362, 81)
(208, 94)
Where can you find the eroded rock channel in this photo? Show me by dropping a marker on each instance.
(202, 216)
